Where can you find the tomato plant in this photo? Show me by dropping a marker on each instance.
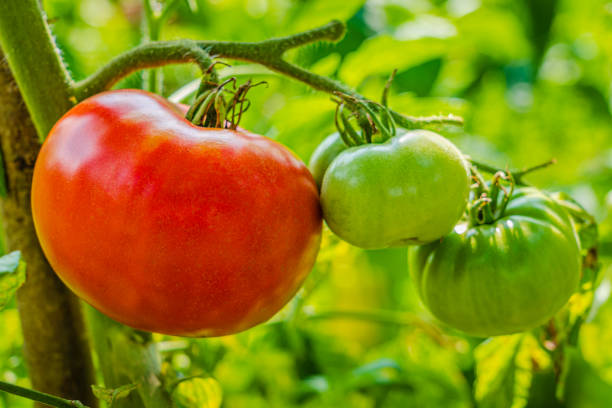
(352, 337)
(169, 227)
(409, 190)
(502, 277)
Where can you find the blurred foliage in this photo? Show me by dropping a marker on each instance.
(533, 81)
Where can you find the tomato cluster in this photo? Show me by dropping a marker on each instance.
(495, 276)
(186, 230)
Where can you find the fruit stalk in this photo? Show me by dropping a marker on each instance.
(268, 53)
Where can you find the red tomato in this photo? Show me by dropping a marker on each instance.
(169, 227)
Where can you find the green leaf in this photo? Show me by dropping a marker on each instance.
(377, 56)
(198, 392)
(12, 276)
(307, 14)
(419, 79)
(503, 375)
(110, 395)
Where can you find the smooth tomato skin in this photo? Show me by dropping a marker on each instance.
(409, 190)
(168, 227)
(324, 155)
(505, 277)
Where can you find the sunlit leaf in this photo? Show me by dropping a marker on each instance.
(380, 55)
(503, 374)
(308, 14)
(110, 395)
(12, 276)
(198, 392)
(494, 33)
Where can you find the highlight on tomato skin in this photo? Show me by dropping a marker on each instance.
(169, 227)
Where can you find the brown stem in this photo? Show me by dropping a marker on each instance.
(55, 344)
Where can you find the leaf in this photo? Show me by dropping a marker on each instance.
(198, 393)
(307, 14)
(419, 79)
(503, 371)
(12, 276)
(110, 395)
(377, 56)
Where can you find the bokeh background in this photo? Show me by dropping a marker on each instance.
(533, 81)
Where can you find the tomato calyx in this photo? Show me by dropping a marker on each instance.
(374, 120)
(489, 200)
(212, 108)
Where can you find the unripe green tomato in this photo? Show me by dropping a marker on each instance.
(324, 154)
(505, 277)
(410, 190)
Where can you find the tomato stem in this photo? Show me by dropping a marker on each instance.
(149, 55)
(268, 53)
(31, 53)
(38, 396)
(387, 87)
(487, 206)
(517, 175)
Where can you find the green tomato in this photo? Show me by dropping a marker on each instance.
(505, 277)
(409, 190)
(324, 154)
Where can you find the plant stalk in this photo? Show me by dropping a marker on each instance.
(48, 400)
(56, 348)
(34, 60)
(268, 53)
(129, 357)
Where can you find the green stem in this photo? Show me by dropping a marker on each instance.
(152, 27)
(144, 56)
(28, 46)
(517, 175)
(485, 167)
(129, 356)
(268, 53)
(37, 396)
(521, 173)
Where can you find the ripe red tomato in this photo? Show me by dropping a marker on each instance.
(169, 227)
